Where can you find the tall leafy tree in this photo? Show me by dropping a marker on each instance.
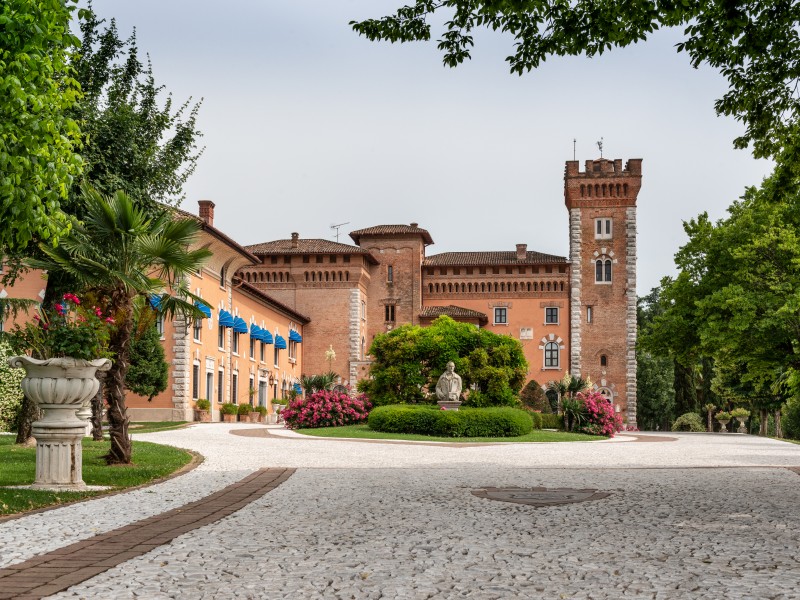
(38, 139)
(655, 373)
(120, 253)
(410, 359)
(755, 44)
(148, 374)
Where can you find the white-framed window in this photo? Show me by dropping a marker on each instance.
(292, 350)
(235, 344)
(589, 314)
(501, 315)
(363, 310)
(235, 387)
(195, 380)
(277, 356)
(209, 384)
(390, 274)
(160, 325)
(221, 337)
(221, 386)
(602, 270)
(551, 315)
(252, 348)
(262, 351)
(197, 328)
(251, 391)
(551, 355)
(602, 228)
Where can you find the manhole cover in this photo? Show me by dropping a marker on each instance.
(540, 496)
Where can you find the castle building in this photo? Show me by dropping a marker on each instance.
(291, 300)
(575, 313)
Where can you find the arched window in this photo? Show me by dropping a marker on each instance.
(603, 360)
(430, 288)
(583, 190)
(602, 270)
(551, 355)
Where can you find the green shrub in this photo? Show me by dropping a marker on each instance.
(791, 419)
(203, 404)
(244, 409)
(228, 409)
(262, 410)
(10, 390)
(532, 396)
(467, 422)
(689, 422)
(551, 421)
(536, 418)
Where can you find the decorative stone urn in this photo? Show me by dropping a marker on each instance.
(742, 426)
(59, 387)
(723, 423)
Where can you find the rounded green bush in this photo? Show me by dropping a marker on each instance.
(467, 422)
(552, 421)
(689, 422)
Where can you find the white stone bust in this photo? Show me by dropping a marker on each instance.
(448, 387)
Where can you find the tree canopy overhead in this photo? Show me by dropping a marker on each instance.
(38, 139)
(755, 44)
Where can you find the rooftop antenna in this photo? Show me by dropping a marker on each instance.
(574, 141)
(336, 228)
(600, 145)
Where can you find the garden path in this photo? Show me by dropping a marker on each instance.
(705, 516)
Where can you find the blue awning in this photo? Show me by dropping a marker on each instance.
(240, 325)
(204, 308)
(298, 388)
(155, 301)
(280, 343)
(225, 319)
(266, 336)
(255, 331)
(295, 337)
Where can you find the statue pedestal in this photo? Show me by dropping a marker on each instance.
(449, 404)
(59, 455)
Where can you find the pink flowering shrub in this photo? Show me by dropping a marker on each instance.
(326, 409)
(599, 417)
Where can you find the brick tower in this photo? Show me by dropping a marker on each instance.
(601, 201)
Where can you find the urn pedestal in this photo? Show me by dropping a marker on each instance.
(59, 387)
(449, 404)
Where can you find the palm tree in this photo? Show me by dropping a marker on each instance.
(120, 252)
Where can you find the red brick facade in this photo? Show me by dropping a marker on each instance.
(388, 279)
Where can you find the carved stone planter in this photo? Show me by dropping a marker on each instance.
(203, 416)
(229, 418)
(723, 428)
(59, 387)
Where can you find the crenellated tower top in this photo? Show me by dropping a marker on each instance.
(603, 182)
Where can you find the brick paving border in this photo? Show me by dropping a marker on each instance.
(60, 569)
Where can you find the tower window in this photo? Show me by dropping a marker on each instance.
(500, 316)
(602, 229)
(589, 314)
(389, 312)
(390, 274)
(603, 360)
(551, 315)
(602, 270)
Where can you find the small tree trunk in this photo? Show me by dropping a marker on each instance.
(28, 413)
(778, 428)
(763, 427)
(710, 423)
(97, 409)
(118, 421)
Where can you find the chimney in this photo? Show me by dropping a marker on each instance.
(415, 225)
(522, 251)
(295, 237)
(207, 211)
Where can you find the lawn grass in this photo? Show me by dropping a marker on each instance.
(364, 432)
(145, 427)
(150, 461)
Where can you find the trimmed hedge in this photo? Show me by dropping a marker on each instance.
(551, 421)
(467, 422)
(689, 422)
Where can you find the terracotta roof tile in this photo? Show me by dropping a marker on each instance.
(491, 258)
(431, 312)
(392, 230)
(304, 246)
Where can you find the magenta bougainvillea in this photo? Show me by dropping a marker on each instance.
(599, 415)
(326, 409)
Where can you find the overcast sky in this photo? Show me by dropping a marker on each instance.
(306, 125)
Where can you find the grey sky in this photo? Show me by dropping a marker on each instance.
(306, 125)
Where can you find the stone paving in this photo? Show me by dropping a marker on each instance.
(705, 516)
